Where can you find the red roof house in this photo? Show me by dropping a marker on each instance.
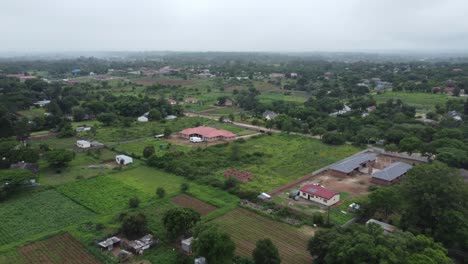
(317, 193)
(207, 133)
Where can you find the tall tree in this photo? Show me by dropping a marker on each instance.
(216, 246)
(265, 252)
(178, 221)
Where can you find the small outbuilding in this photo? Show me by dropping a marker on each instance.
(388, 229)
(83, 144)
(391, 174)
(269, 115)
(83, 128)
(123, 159)
(170, 117)
(109, 243)
(142, 119)
(264, 196)
(186, 245)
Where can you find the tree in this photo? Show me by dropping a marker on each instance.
(134, 225)
(265, 252)
(216, 246)
(133, 202)
(387, 200)
(333, 138)
(369, 244)
(160, 192)
(66, 130)
(436, 204)
(235, 152)
(59, 157)
(10, 180)
(320, 131)
(167, 132)
(154, 115)
(22, 129)
(107, 118)
(410, 144)
(178, 221)
(78, 113)
(148, 151)
(184, 187)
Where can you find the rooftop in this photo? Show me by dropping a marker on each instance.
(318, 190)
(386, 227)
(392, 172)
(351, 163)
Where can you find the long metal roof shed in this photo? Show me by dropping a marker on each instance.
(392, 172)
(350, 164)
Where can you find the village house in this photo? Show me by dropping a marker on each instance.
(191, 100)
(172, 101)
(186, 245)
(388, 229)
(207, 133)
(391, 174)
(343, 111)
(138, 246)
(42, 103)
(109, 243)
(352, 165)
(318, 194)
(123, 159)
(455, 115)
(269, 115)
(142, 119)
(83, 144)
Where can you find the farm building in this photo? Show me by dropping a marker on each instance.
(42, 103)
(186, 245)
(391, 174)
(83, 128)
(33, 167)
(318, 194)
(264, 196)
(109, 243)
(83, 144)
(242, 176)
(138, 246)
(207, 133)
(123, 159)
(269, 115)
(191, 100)
(142, 119)
(386, 227)
(352, 165)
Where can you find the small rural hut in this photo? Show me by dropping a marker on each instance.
(186, 245)
(123, 159)
(83, 144)
(109, 243)
(142, 119)
(386, 227)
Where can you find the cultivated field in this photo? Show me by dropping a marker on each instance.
(246, 228)
(57, 250)
(188, 201)
(38, 213)
(102, 194)
(425, 101)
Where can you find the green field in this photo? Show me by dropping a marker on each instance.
(246, 228)
(422, 101)
(102, 194)
(289, 157)
(55, 143)
(32, 214)
(34, 112)
(160, 147)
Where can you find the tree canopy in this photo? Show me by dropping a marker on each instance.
(178, 221)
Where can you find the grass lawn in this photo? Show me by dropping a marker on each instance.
(160, 147)
(102, 194)
(38, 213)
(246, 227)
(424, 101)
(287, 158)
(55, 143)
(31, 113)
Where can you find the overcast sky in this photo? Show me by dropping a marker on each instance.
(233, 25)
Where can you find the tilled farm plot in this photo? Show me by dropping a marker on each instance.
(57, 250)
(188, 201)
(246, 227)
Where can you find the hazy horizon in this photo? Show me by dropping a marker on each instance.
(52, 26)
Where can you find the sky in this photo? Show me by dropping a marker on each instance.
(234, 25)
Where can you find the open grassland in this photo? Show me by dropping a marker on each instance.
(31, 113)
(269, 97)
(38, 213)
(57, 250)
(288, 157)
(160, 147)
(55, 143)
(246, 228)
(422, 101)
(102, 194)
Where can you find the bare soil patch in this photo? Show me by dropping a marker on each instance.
(188, 201)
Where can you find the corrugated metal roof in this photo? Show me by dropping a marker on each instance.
(392, 172)
(350, 164)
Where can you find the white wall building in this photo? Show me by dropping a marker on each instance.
(123, 159)
(83, 144)
(318, 194)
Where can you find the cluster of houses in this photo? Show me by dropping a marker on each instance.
(124, 248)
(85, 144)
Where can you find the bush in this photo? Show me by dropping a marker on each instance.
(318, 219)
(160, 192)
(133, 202)
(184, 187)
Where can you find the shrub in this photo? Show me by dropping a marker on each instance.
(160, 192)
(133, 202)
